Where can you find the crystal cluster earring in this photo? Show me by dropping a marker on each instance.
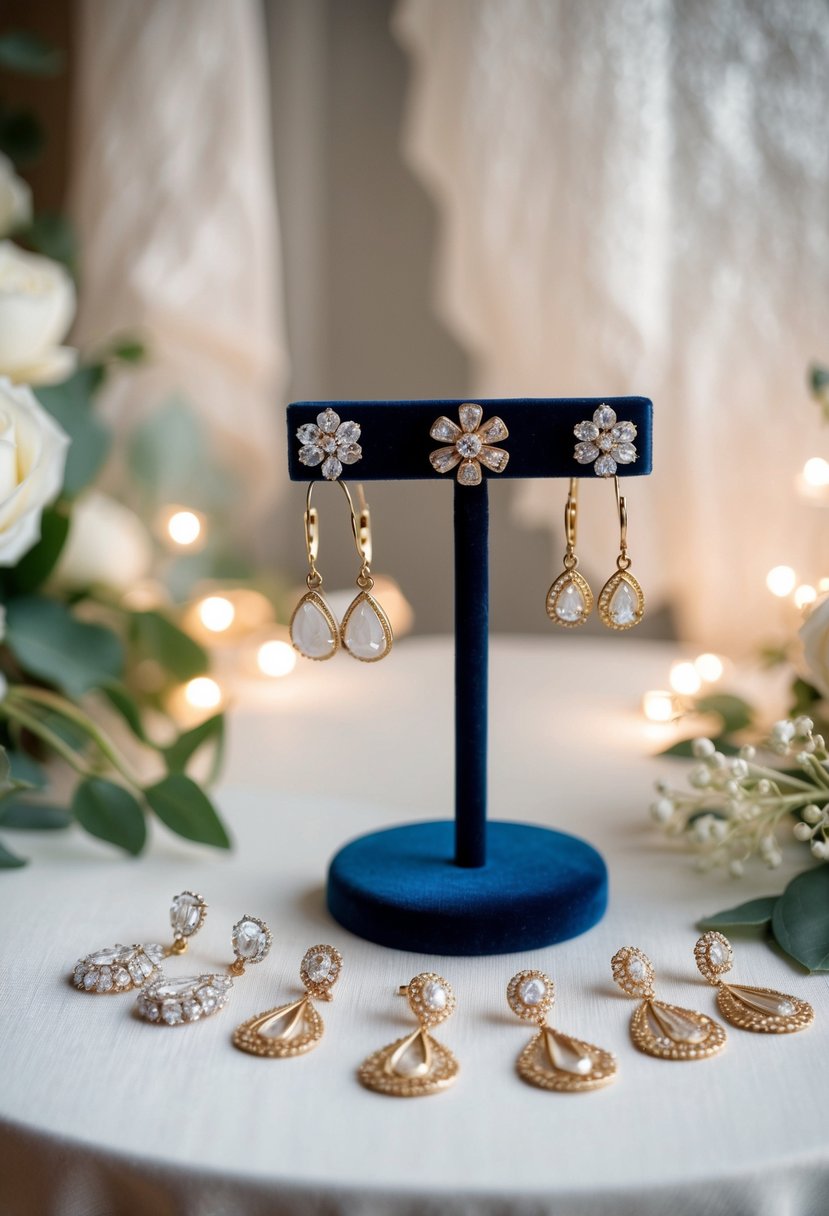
(551, 1059)
(171, 1002)
(760, 1009)
(291, 1030)
(417, 1064)
(472, 444)
(664, 1031)
(121, 968)
(570, 600)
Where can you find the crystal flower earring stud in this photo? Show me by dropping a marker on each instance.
(471, 445)
(291, 1030)
(551, 1059)
(760, 1009)
(120, 968)
(664, 1031)
(621, 599)
(330, 443)
(604, 440)
(417, 1064)
(171, 1002)
(570, 600)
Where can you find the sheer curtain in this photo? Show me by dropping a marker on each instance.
(635, 198)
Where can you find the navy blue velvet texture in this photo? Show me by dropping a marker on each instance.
(396, 443)
(399, 888)
(471, 669)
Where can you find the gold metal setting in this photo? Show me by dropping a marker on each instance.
(664, 1031)
(471, 444)
(762, 1010)
(570, 600)
(418, 1064)
(621, 599)
(315, 598)
(296, 1028)
(553, 1060)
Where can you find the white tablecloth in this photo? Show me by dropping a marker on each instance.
(102, 1113)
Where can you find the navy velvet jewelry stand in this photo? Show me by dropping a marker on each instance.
(471, 887)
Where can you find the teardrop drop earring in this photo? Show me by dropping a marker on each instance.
(657, 1029)
(366, 632)
(570, 600)
(314, 631)
(551, 1059)
(293, 1029)
(417, 1064)
(621, 599)
(763, 1010)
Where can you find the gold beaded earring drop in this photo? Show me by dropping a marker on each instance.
(417, 1064)
(621, 599)
(570, 600)
(760, 1009)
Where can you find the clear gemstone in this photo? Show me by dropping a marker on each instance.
(178, 988)
(308, 433)
(79, 973)
(680, 1027)
(151, 1013)
(311, 454)
(122, 978)
(470, 416)
(208, 998)
(624, 605)
(468, 446)
(533, 991)
(624, 432)
(318, 967)
(104, 980)
(565, 1055)
(605, 466)
(585, 452)
(763, 1002)
(605, 443)
(90, 980)
(328, 421)
(329, 445)
(350, 453)
(588, 431)
(363, 632)
(445, 430)
(716, 954)
(171, 1013)
(185, 917)
(625, 453)
(435, 996)
(494, 458)
(444, 459)
(331, 468)
(250, 941)
(469, 474)
(604, 417)
(191, 1009)
(144, 964)
(493, 431)
(348, 432)
(104, 958)
(569, 604)
(311, 631)
(636, 969)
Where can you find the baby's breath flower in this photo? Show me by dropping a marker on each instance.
(702, 748)
(802, 831)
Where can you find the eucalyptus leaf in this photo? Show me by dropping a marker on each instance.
(6, 778)
(178, 754)
(9, 860)
(754, 912)
(24, 52)
(69, 404)
(48, 642)
(111, 813)
(121, 700)
(800, 922)
(186, 810)
(158, 638)
(33, 816)
(736, 713)
(34, 569)
(26, 770)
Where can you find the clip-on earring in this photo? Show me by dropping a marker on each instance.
(570, 600)
(665, 1031)
(301, 1025)
(171, 1002)
(416, 1064)
(366, 632)
(621, 599)
(552, 1060)
(762, 1009)
(120, 968)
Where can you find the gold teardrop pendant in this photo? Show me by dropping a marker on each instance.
(569, 600)
(410, 1067)
(621, 601)
(314, 632)
(669, 1032)
(763, 1009)
(366, 633)
(552, 1060)
(288, 1030)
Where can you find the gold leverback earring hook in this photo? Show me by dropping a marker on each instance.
(571, 515)
(623, 519)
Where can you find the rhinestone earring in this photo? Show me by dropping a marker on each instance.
(366, 632)
(760, 1009)
(170, 1002)
(570, 600)
(301, 1025)
(120, 968)
(417, 1064)
(552, 1060)
(621, 599)
(665, 1031)
(314, 632)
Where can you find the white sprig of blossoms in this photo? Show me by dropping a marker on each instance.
(737, 807)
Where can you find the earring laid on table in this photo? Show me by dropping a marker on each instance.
(120, 968)
(171, 1002)
(552, 1060)
(300, 1026)
(760, 1009)
(621, 600)
(661, 1030)
(417, 1064)
(570, 600)
(366, 632)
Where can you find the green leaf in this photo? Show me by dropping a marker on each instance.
(185, 809)
(178, 754)
(21, 136)
(9, 860)
(754, 912)
(24, 52)
(800, 922)
(6, 778)
(804, 696)
(70, 403)
(128, 350)
(685, 748)
(111, 813)
(51, 233)
(48, 642)
(158, 638)
(818, 377)
(736, 713)
(26, 770)
(34, 569)
(33, 816)
(127, 707)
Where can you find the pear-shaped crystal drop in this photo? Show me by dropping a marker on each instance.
(678, 1026)
(311, 631)
(564, 1055)
(570, 605)
(363, 632)
(776, 1003)
(624, 605)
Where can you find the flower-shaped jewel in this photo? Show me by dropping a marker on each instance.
(608, 442)
(331, 443)
(471, 445)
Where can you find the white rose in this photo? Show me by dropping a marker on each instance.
(32, 460)
(37, 306)
(814, 634)
(15, 199)
(107, 544)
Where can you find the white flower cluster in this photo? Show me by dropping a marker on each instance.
(736, 807)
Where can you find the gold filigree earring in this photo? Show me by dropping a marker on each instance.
(570, 600)
(664, 1031)
(621, 599)
(313, 629)
(760, 1009)
(417, 1064)
(552, 1060)
(291, 1030)
(120, 968)
(366, 632)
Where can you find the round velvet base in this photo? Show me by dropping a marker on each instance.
(400, 888)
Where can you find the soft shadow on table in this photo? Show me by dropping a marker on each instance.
(312, 905)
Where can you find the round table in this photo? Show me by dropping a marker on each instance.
(102, 1113)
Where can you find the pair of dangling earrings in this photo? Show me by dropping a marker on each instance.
(570, 599)
(365, 631)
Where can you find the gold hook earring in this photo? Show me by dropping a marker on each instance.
(314, 631)
(366, 632)
(621, 599)
(570, 600)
